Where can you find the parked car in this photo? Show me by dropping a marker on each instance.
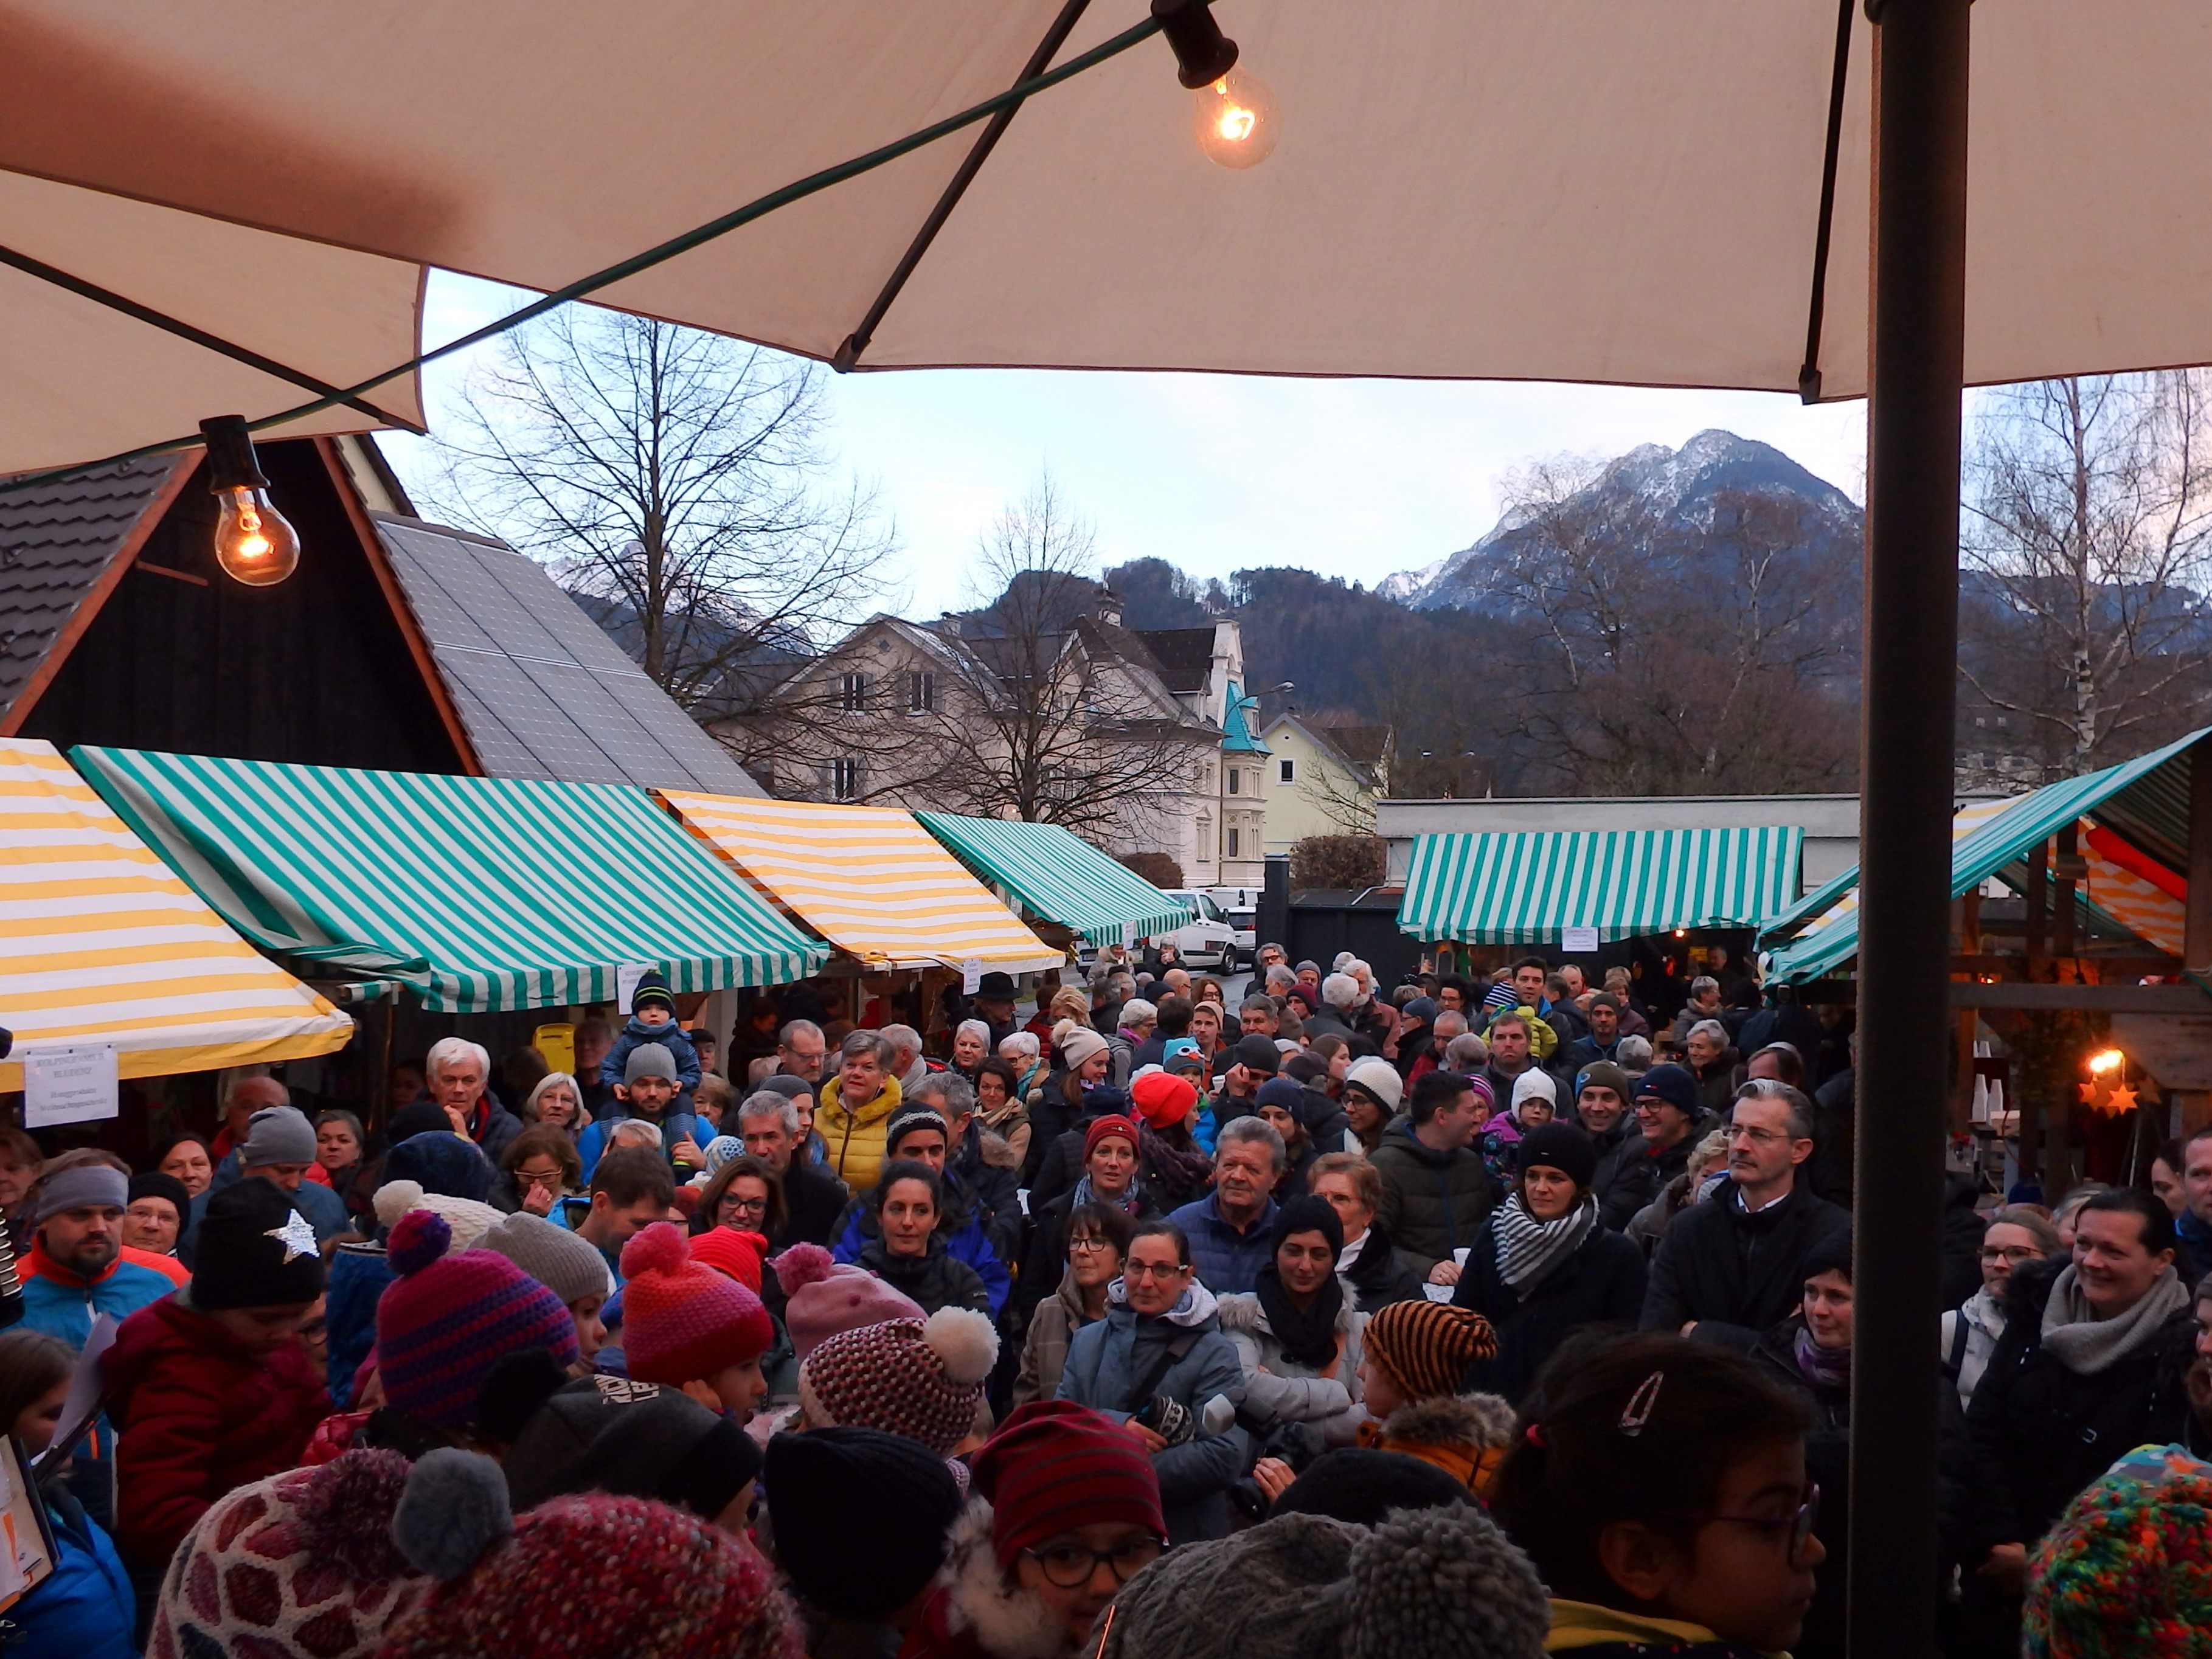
(1208, 939)
(1240, 906)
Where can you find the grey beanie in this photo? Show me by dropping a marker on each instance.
(1440, 1584)
(649, 1060)
(84, 1187)
(276, 1134)
(563, 1263)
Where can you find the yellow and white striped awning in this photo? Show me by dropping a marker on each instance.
(869, 879)
(101, 943)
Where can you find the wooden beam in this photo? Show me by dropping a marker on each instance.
(2133, 964)
(2196, 925)
(2098, 999)
(72, 631)
(403, 614)
(2068, 862)
(2038, 908)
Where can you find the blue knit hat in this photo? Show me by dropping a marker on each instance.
(1673, 1085)
(448, 1164)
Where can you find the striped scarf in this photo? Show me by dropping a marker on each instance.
(1528, 1248)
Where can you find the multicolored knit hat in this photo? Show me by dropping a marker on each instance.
(444, 1322)
(823, 1296)
(682, 1320)
(1054, 1465)
(921, 1378)
(602, 1577)
(2127, 1572)
(1426, 1347)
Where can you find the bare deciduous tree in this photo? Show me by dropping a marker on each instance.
(2089, 536)
(679, 478)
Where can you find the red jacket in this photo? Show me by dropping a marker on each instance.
(199, 1416)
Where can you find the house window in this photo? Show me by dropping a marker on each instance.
(852, 693)
(845, 779)
(1234, 778)
(1233, 843)
(921, 693)
(1287, 771)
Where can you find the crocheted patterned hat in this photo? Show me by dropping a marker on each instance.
(2127, 1572)
(683, 1320)
(921, 1378)
(1426, 1347)
(446, 1321)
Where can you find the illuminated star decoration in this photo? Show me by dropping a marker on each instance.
(297, 1238)
(2123, 1099)
(2088, 1094)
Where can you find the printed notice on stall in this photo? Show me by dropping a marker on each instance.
(626, 975)
(972, 977)
(75, 1085)
(1578, 939)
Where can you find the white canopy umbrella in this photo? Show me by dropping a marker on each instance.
(124, 324)
(1588, 190)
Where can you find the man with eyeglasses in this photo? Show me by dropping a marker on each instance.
(1737, 1259)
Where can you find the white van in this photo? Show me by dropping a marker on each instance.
(1209, 938)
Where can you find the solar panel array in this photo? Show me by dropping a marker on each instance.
(543, 691)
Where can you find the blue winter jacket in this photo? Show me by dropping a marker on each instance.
(1108, 1363)
(325, 1211)
(675, 1126)
(670, 1036)
(967, 1243)
(1228, 1262)
(359, 1273)
(85, 1608)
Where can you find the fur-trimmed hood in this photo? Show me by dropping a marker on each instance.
(1241, 1313)
(975, 1603)
(996, 1152)
(1464, 1420)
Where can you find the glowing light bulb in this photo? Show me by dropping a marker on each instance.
(1235, 119)
(254, 542)
(2106, 1060)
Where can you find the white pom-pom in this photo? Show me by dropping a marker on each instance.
(395, 1198)
(964, 1341)
(1064, 1029)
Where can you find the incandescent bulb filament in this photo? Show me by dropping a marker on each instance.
(1236, 119)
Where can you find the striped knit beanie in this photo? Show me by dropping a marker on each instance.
(1426, 1347)
(2127, 1572)
(446, 1321)
(1054, 1465)
(682, 1320)
(922, 1378)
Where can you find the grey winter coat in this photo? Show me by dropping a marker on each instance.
(1278, 1389)
(1107, 1364)
(1433, 1202)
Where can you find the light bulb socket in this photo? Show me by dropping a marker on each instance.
(1203, 53)
(231, 461)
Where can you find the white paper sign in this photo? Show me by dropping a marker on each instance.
(1128, 935)
(85, 1383)
(626, 975)
(1578, 939)
(972, 977)
(70, 1086)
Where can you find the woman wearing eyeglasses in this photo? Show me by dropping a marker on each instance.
(1660, 1486)
(744, 1193)
(1067, 1510)
(2014, 1236)
(1098, 1234)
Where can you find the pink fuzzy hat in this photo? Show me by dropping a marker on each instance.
(826, 1297)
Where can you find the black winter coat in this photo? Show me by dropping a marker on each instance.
(1433, 1202)
(931, 1281)
(815, 1200)
(1047, 1257)
(1627, 1177)
(1381, 1276)
(2040, 1433)
(1601, 1284)
(1717, 1263)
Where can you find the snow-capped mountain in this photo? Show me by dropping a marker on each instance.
(1673, 492)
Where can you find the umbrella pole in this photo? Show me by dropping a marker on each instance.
(1917, 352)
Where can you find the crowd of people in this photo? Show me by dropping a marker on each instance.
(1483, 1315)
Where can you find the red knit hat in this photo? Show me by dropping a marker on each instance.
(682, 1320)
(446, 1321)
(1112, 1124)
(1163, 1098)
(1054, 1465)
(729, 1251)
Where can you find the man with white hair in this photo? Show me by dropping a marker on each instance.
(1340, 995)
(246, 1096)
(457, 1077)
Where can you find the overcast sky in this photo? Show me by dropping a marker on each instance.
(1352, 478)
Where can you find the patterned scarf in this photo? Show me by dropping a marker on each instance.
(1829, 1367)
(1528, 1248)
(1131, 1202)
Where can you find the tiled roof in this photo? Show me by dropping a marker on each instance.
(1185, 656)
(55, 539)
(542, 689)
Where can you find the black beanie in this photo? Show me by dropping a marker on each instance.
(254, 1250)
(1360, 1485)
(416, 1117)
(152, 1183)
(634, 1439)
(1561, 1145)
(860, 1517)
(1831, 1253)
(1307, 1214)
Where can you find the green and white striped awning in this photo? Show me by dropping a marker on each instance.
(1529, 888)
(2146, 799)
(476, 894)
(1058, 877)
